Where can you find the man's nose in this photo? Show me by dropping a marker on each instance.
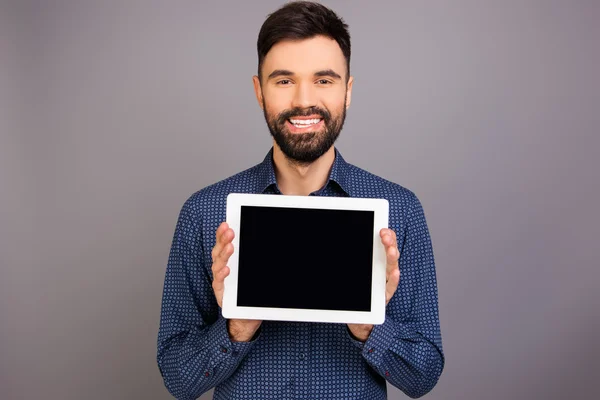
(305, 96)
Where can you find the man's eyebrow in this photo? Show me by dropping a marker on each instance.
(328, 72)
(280, 72)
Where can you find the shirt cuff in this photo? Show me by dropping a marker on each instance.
(357, 343)
(223, 347)
(379, 341)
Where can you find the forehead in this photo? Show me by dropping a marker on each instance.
(305, 56)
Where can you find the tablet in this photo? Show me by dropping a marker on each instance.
(306, 258)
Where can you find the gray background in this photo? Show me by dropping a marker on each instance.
(113, 112)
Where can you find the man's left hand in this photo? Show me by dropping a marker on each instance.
(392, 278)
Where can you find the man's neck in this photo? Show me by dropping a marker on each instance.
(301, 179)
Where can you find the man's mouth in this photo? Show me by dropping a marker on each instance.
(304, 123)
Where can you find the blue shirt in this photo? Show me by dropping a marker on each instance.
(298, 360)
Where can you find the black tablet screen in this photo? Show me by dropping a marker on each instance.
(305, 258)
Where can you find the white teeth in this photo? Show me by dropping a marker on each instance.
(304, 121)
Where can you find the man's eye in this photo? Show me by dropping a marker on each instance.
(283, 82)
(324, 81)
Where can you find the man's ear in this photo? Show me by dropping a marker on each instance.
(257, 90)
(349, 91)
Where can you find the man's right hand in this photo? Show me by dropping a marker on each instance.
(240, 330)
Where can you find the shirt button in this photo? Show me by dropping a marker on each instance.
(302, 356)
(371, 350)
(224, 349)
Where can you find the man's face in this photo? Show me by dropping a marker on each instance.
(304, 96)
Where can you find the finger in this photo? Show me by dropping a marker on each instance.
(391, 286)
(387, 240)
(388, 237)
(387, 231)
(218, 283)
(222, 228)
(227, 251)
(222, 257)
(392, 255)
(219, 275)
(222, 274)
(223, 251)
(217, 248)
(227, 236)
(223, 239)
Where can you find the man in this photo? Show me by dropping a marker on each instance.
(304, 88)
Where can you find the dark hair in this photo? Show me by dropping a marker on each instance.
(302, 20)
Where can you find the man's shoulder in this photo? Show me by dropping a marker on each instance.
(366, 184)
(216, 193)
(401, 199)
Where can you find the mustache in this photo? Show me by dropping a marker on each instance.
(303, 112)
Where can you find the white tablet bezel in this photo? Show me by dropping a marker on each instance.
(380, 207)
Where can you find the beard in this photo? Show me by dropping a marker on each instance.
(305, 148)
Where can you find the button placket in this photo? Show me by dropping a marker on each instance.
(303, 377)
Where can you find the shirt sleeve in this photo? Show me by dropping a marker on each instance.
(407, 348)
(195, 352)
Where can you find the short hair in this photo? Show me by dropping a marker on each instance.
(299, 20)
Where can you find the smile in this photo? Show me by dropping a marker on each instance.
(304, 123)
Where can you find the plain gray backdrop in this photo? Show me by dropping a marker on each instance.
(114, 112)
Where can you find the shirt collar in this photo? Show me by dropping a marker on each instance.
(339, 173)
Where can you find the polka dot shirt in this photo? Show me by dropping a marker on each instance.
(298, 360)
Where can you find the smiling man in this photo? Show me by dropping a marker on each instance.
(304, 88)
